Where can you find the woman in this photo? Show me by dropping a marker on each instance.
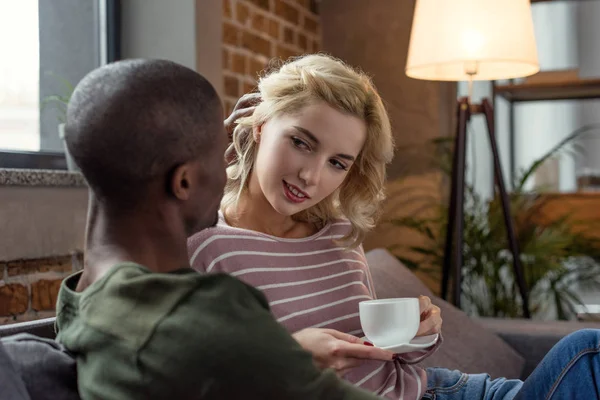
(305, 185)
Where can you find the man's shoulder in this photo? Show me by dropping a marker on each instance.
(132, 301)
(160, 292)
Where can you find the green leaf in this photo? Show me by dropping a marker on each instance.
(552, 152)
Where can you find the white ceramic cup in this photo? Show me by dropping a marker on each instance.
(389, 322)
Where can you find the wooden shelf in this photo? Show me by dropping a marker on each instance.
(577, 207)
(541, 90)
(548, 1)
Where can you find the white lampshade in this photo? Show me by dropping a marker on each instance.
(493, 38)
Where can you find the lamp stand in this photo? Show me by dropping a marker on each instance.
(456, 211)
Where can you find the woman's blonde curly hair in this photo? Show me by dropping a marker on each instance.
(301, 82)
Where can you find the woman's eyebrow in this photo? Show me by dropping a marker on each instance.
(313, 138)
(307, 133)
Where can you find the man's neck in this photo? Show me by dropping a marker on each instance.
(149, 237)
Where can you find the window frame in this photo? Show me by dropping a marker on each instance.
(110, 26)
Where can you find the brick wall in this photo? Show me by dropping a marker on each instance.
(257, 31)
(29, 288)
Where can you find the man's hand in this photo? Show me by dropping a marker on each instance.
(338, 350)
(243, 108)
(431, 318)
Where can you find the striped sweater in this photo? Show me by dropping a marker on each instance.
(309, 282)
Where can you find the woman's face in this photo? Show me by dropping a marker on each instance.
(305, 157)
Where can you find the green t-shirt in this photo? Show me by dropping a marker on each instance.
(181, 335)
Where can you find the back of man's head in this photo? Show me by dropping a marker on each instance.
(132, 122)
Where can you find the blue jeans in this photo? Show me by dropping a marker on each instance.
(570, 370)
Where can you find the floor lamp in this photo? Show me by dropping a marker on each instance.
(467, 40)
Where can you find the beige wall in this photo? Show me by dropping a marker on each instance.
(41, 221)
(184, 31)
(374, 36)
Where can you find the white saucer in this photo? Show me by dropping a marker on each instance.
(418, 343)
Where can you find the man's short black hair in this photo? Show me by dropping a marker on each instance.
(131, 122)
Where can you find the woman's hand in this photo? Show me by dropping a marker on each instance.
(338, 350)
(243, 108)
(431, 318)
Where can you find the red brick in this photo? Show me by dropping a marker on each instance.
(256, 44)
(273, 29)
(44, 294)
(232, 87)
(284, 53)
(238, 63)
(255, 67)
(226, 60)
(231, 34)
(228, 106)
(264, 4)
(14, 299)
(311, 24)
(227, 8)
(316, 47)
(289, 35)
(287, 12)
(302, 41)
(259, 22)
(242, 13)
(249, 87)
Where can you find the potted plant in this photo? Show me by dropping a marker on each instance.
(558, 260)
(60, 102)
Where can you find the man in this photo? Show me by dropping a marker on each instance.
(148, 136)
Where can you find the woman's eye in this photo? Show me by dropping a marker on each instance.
(339, 165)
(299, 143)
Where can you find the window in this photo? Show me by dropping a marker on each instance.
(48, 46)
(19, 81)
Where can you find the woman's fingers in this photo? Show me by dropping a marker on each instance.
(432, 323)
(343, 336)
(424, 304)
(361, 351)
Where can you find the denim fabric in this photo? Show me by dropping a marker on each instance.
(571, 370)
(443, 384)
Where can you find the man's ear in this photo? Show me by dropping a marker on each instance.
(181, 181)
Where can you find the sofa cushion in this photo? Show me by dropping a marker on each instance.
(11, 384)
(45, 367)
(41, 328)
(467, 346)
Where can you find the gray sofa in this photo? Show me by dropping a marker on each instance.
(499, 347)
(509, 348)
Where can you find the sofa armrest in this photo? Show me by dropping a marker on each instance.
(41, 327)
(531, 338)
